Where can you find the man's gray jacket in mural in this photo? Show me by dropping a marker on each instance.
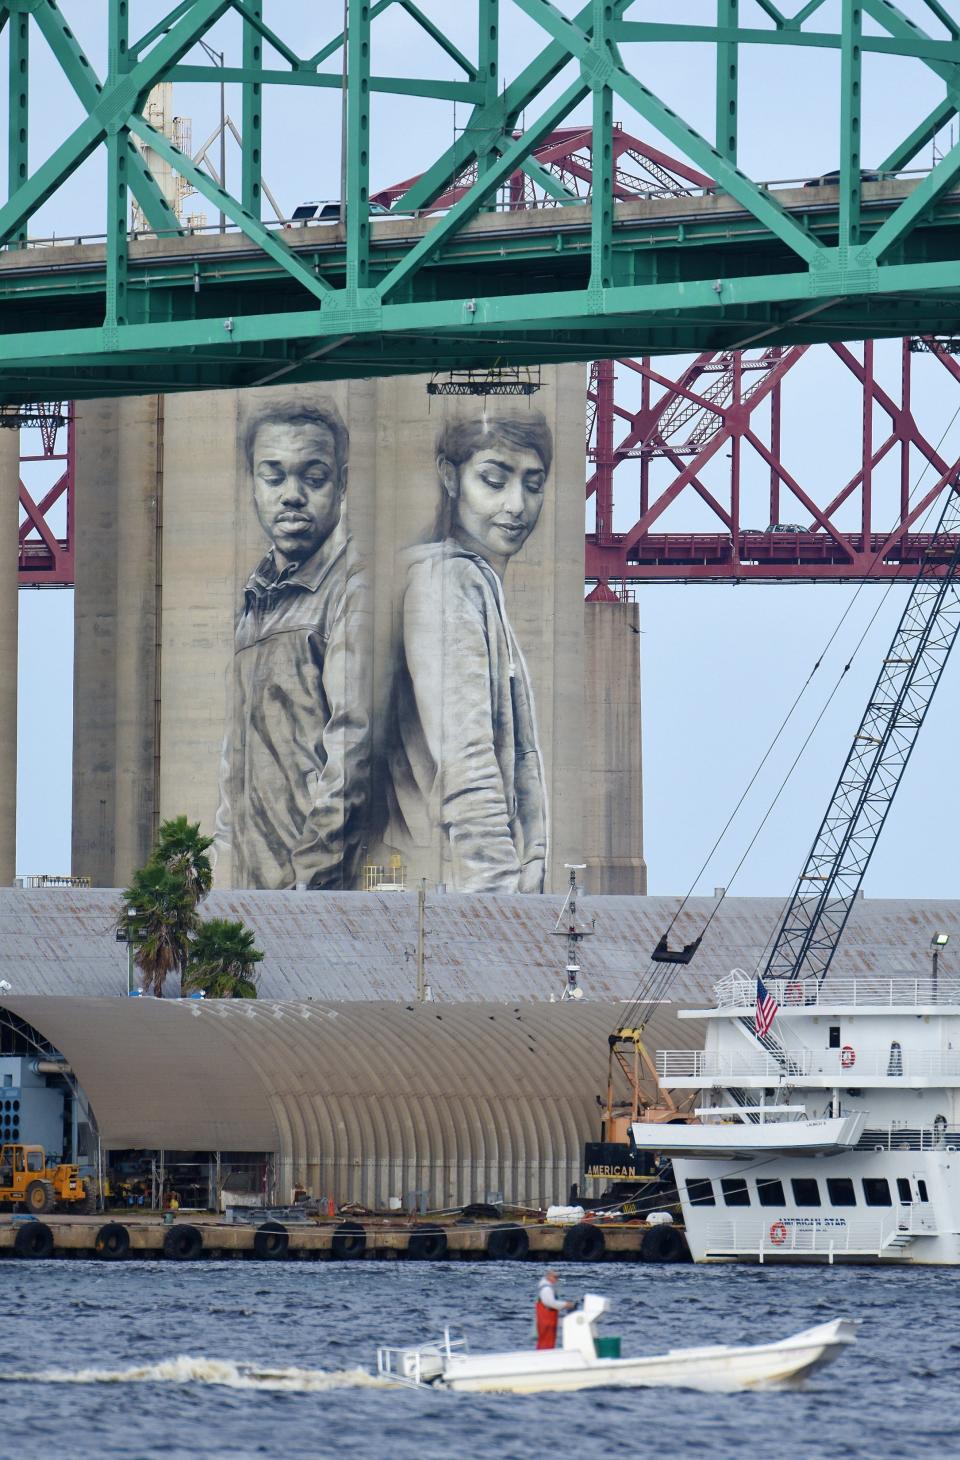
(465, 757)
(296, 762)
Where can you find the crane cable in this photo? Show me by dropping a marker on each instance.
(650, 988)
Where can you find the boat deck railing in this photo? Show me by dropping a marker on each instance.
(844, 1066)
(676, 1065)
(825, 1235)
(739, 991)
(417, 1364)
(896, 1137)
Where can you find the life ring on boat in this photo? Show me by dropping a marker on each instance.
(778, 1233)
(848, 1057)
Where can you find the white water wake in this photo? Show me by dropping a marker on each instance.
(187, 1369)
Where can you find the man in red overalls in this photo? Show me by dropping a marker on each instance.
(549, 1306)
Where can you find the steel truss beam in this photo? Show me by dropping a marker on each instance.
(46, 553)
(616, 279)
(730, 405)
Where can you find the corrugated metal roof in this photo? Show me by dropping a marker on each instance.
(361, 1100)
(356, 945)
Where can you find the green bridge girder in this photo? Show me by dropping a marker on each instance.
(470, 286)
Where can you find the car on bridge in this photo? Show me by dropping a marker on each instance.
(329, 212)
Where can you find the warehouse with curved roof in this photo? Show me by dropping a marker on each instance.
(357, 1101)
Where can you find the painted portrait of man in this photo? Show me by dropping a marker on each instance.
(295, 765)
(464, 768)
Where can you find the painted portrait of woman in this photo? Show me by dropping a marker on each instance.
(463, 763)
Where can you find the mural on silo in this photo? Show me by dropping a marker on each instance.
(463, 763)
(295, 774)
(397, 600)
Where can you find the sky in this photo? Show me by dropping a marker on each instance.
(721, 664)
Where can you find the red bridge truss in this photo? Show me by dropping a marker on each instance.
(730, 406)
(46, 534)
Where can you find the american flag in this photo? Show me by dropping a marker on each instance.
(766, 1010)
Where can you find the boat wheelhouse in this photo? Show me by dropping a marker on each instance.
(835, 1137)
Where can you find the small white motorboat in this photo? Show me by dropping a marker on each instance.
(585, 1360)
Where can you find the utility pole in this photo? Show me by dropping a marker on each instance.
(219, 59)
(568, 927)
(423, 988)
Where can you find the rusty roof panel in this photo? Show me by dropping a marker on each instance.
(356, 945)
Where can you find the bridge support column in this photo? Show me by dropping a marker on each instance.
(612, 761)
(9, 522)
(115, 659)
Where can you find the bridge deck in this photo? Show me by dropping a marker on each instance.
(211, 310)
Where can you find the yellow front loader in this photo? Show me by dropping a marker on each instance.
(26, 1180)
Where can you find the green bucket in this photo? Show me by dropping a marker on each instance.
(608, 1348)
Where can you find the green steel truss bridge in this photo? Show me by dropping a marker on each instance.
(730, 264)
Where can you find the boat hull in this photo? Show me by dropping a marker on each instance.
(776, 1365)
(733, 1141)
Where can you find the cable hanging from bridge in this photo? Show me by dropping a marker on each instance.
(664, 959)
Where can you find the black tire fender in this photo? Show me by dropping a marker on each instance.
(112, 1242)
(271, 1241)
(183, 1244)
(349, 1241)
(664, 1244)
(583, 1243)
(509, 1243)
(33, 1239)
(428, 1243)
(481, 1211)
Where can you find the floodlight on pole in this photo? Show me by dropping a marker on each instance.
(938, 941)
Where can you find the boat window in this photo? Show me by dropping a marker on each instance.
(700, 1193)
(770, 1192)
(840, 1191)
(903, 1189)
(806, 1191)
(895, 1061)
(735, 1193)
(876, 1191)
(834, 1036)
(922, 1189)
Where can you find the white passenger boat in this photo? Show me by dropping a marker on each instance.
(585, 1361)
(834, 1138)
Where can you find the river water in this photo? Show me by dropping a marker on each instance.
(151, 1360)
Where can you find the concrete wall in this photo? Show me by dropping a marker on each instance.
(9, 522)
(612, 757)
(118, 488)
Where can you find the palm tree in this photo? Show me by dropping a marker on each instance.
(158, 915)
(222, 961)
(181, 848)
